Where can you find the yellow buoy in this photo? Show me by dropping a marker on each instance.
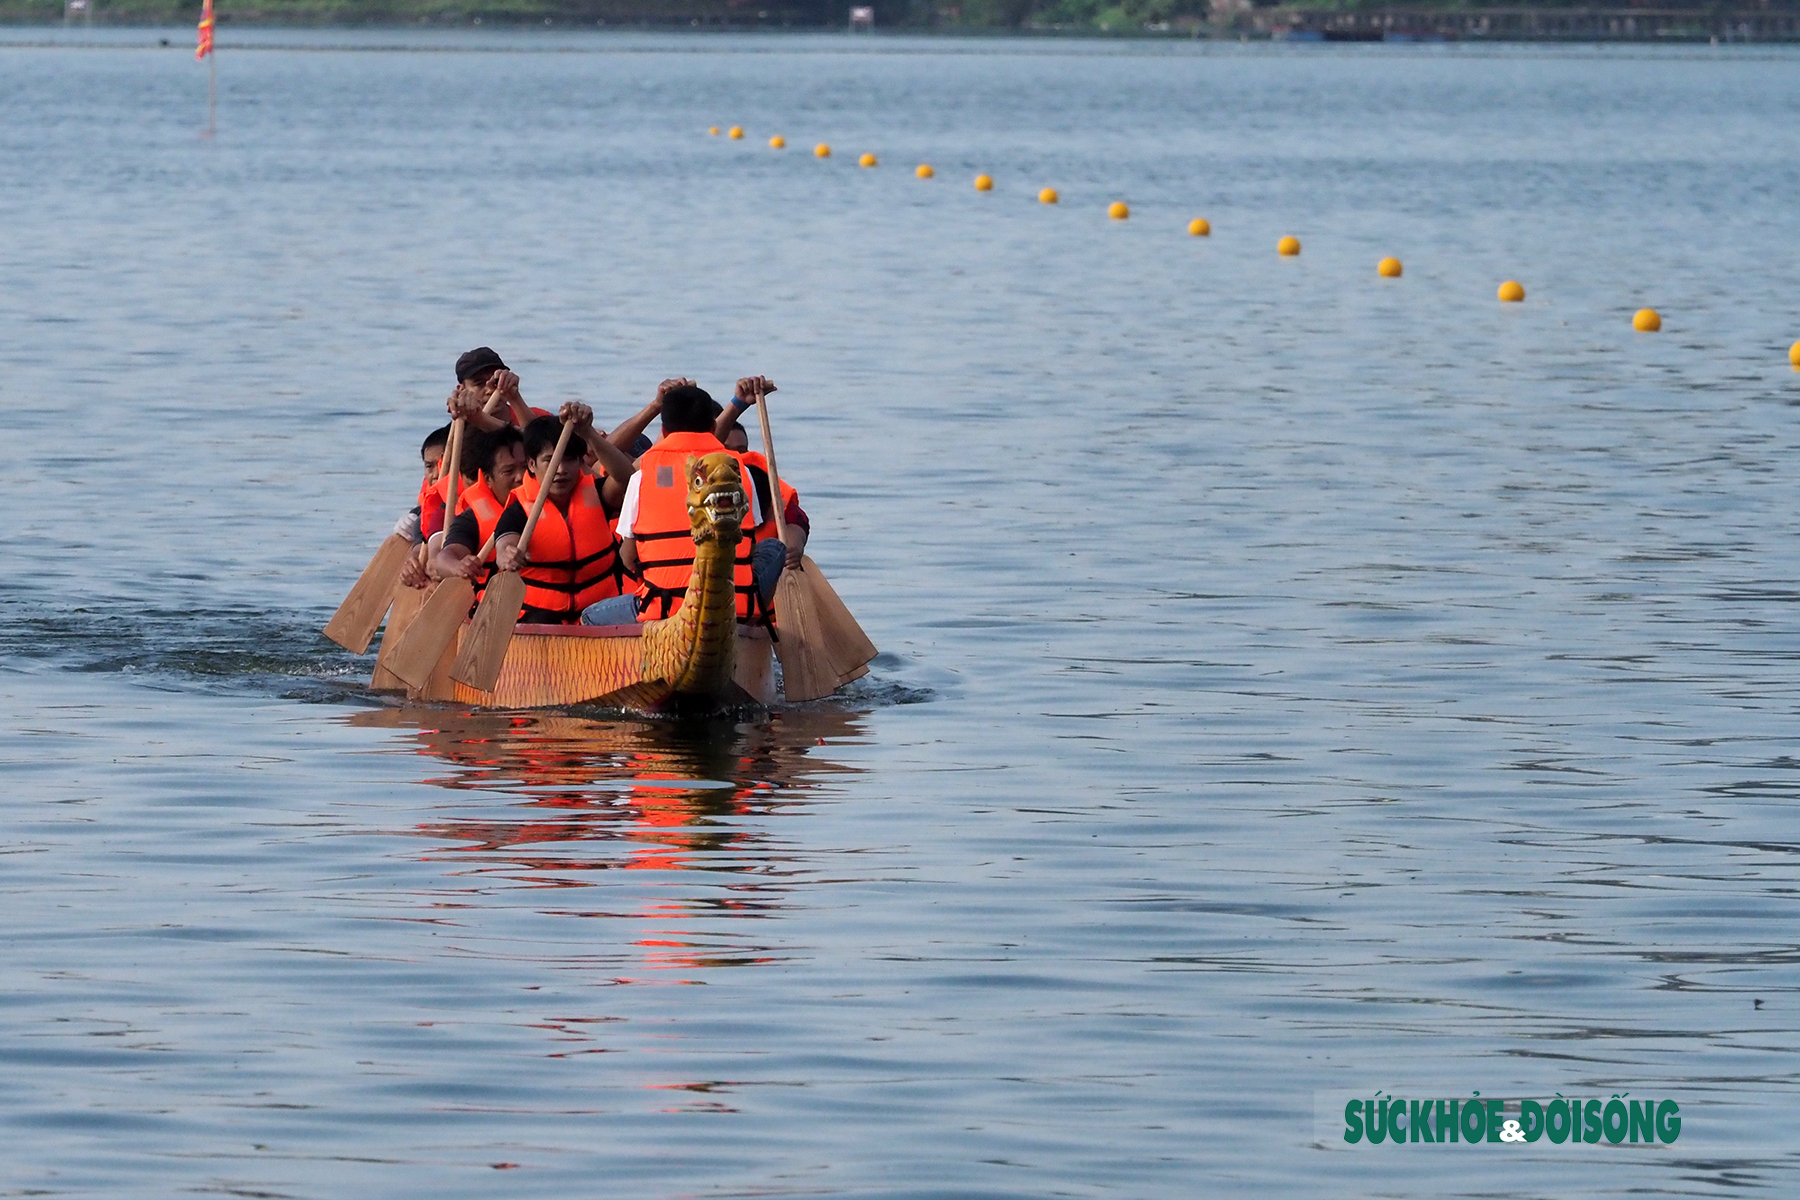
(1288, 246)
(1646, 320)
(821, 151)
(984, 183)
(777, 142)
(1118, 210)
(1198, 227)
(1389, 268)
(1794, 355)
(924, 171)
(736, 131)
(713, 129)
(1048, 196)
(1511, 291)
(867, 160)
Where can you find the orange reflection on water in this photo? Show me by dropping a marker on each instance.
(687, 804)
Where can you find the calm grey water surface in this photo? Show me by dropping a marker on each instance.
(1296, 684)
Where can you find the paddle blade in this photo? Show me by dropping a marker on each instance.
(483, 650)
(841, 639)
(806, 674)
(359, 616)
(416, 655)
(407, 602)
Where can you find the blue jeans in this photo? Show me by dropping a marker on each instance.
(766, 563)
(614, 610)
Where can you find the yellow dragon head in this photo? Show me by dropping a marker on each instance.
(717, 506)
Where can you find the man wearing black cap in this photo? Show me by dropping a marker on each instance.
(480, 373)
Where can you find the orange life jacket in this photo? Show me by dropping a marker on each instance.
(574, 559)
(434, 497)
(665, 535)
(428, 503)
(788, 496)
(478, 498)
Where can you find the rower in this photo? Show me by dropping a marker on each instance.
(431, 453)
(500, 459)
(483, 382)
(573, 560)
(770, 555)
(410, 526)
(480, 375)
(656, 532)
(436, 494)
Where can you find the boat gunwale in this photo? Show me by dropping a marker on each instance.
(635, 629)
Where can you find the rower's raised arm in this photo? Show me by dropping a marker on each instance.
(625, 435)
(742, 397)
(614, 461)
(504, 387)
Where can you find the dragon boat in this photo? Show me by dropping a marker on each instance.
(702, 659)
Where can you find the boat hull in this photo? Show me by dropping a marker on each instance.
(553, 666)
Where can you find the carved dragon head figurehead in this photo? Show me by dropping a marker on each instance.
(717, 505)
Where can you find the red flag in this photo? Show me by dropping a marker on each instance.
(206, 28)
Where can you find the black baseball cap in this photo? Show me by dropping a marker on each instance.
(481, 358)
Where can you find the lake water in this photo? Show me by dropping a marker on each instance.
(1295, 684)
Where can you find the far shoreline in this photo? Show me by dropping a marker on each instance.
(1409, 25)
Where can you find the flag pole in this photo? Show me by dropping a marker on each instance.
(204, 49)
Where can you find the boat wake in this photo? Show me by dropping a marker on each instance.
(258, 651)
(264, 652)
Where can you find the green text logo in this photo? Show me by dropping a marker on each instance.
(1481, 1121)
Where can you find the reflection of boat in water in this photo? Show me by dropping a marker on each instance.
(673, 794)
(658, 851)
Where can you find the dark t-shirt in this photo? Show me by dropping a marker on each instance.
(464, 531)
(511, 521)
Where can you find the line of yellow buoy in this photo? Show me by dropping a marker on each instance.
(1645, 320)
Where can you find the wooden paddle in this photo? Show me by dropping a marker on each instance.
(483, 651)
(821, 644)
(430, 631)
(354, 624)
(406, 606)
(847, 646)
(416, 655)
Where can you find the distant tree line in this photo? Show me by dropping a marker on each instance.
(1120, 16)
